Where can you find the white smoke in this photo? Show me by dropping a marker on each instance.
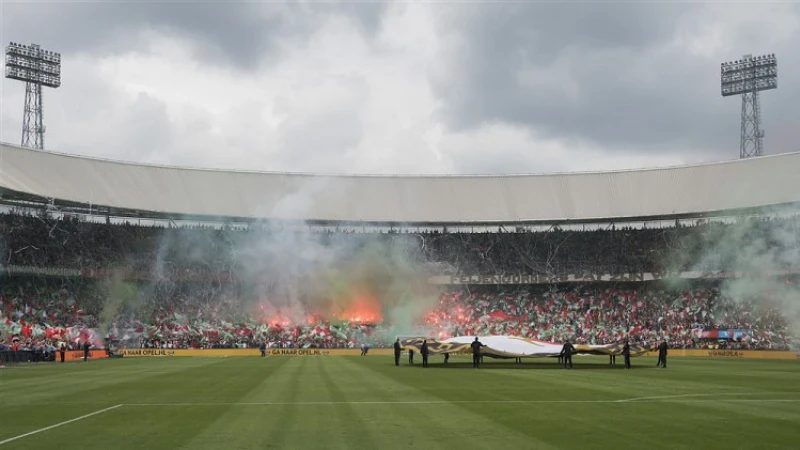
(761, 254)
(289, 267)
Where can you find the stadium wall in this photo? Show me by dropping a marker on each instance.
(233, 352)
(224, 352)
(77, 355)
(741, 354)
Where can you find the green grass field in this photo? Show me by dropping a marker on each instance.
(367, 403)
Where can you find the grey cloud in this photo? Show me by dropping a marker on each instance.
(321, 139)
(91, 119)
(320, 142)
(630, 93)
(139, 129)
(499, 162)
(542, 31)
(241, 34)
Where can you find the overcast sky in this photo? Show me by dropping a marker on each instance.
(413, 87)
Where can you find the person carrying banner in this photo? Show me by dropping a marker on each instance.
(424, 351)
(476, 353)
(397, 350)
(662, 354)
(567, 351)
(626, 353)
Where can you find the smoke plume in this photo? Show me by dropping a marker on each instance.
(293, 271)
(762, 255)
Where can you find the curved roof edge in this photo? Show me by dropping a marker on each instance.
(378, 175)
(691, 190)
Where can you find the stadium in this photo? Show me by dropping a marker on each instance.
(212, 304)
(384, 225)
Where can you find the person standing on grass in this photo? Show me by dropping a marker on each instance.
(626, 353)
(662, 354)
(424, 351)
(86, 351)
(62, 350)
(476, 353)
(397, 350)
(567, 351)
(263, 348)
(411, 356)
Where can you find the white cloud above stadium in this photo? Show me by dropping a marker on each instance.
(402, 87)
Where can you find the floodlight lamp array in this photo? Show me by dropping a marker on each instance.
(33, 52)
(750, 63)
(31, 64)
(749, 74)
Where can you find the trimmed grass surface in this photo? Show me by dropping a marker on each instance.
(367, 403)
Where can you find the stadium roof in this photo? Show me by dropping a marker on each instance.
(688, 191)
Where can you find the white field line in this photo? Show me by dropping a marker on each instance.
(677, 396)
(58, 425)
(685, 397)
(654, 399)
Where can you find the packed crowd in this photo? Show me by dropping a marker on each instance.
(71, 243)
(44, 314)
(601, 315)
(194, 286)
(38, 312)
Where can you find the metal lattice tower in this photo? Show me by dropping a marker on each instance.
(37, 68)
(747, 77)
(33, 117)
(751, 141)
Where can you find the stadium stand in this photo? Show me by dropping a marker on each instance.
(150, 233)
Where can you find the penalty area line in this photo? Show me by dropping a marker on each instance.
(40, 430)
(444, 402)
(696, 395)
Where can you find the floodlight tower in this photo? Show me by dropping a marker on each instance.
(747, 77)
(37, 68)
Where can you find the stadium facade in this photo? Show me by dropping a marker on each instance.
(74, 183)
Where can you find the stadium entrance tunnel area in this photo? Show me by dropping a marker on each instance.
(367, 402)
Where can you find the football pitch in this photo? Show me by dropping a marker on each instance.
(368, 403)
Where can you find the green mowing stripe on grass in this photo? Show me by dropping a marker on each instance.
(448, 425)
(60, 424)
(62, 381)
(280, 379)
(440, 425)
(611, 382)
(599, 381)
(161, 380)
(232, 425)
(355, 402)
(33, 403)
(339, 388)
(687, 412)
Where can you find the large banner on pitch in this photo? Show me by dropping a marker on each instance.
(516, 347)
